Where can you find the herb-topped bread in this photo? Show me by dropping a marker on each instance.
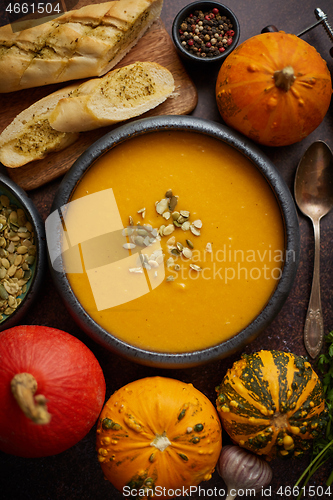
(54, 122)
(121, 94)
(81, 43)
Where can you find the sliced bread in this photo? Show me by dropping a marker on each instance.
(121, 94)
(81, 43)
(30, 136)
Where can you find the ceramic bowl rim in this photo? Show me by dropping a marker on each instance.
(292, 238)
(183, 14)
(22, 198)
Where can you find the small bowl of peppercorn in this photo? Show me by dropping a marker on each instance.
(205, 31)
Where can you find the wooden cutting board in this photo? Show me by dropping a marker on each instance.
(157, 46)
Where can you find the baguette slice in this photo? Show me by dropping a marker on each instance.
(121, 94)
(30, 136)
(82, 43)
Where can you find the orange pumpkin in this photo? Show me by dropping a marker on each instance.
(156, 435)
(274, 88)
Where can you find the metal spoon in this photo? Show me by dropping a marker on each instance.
(314, 196)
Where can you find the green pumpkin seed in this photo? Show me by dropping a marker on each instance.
(3, 292)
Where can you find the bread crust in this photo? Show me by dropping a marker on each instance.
(82, 43)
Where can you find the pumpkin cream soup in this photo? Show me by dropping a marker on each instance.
(175, 241)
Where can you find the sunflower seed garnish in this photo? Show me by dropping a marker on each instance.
(168, 194)
(131, 221)
(190, 244)
(209, 247)
(185, 213)
(170, 278)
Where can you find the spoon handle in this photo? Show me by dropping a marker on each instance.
(314, 325)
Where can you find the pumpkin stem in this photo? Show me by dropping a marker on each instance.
(23, 387)
(284, 78)
(161, 441)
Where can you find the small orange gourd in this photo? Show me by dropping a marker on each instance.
(156, 435)
(274, 88)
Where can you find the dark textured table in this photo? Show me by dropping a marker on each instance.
(76, 474)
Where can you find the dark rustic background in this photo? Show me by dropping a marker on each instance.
(76, 474)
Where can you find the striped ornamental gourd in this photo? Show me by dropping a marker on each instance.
(272, 403)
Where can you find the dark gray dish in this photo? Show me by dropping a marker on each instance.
(288, 211)
(19, 198)
(204, 5)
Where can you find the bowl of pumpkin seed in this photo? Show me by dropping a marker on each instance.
(22, 252)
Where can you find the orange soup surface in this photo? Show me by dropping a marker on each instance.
(186, 278)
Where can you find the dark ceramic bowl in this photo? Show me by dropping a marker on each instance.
(204, 6)
(267, 169)
(18, 198)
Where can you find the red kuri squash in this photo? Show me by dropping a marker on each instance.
(52, 390)
(275, 88)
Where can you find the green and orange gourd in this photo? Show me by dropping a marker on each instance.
(272, 403)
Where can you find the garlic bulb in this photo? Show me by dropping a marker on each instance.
(242, 470)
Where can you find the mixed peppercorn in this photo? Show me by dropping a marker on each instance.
(206, 34)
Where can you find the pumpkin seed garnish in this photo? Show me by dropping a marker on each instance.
(197, 223)
(136, 270)
(186, 226)
(162, 206)
(175, 215)
(173, 202)
(179, 247)
(129, 246)
(187, 253)
(194, 230)
(168, 229)
(195, 267)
